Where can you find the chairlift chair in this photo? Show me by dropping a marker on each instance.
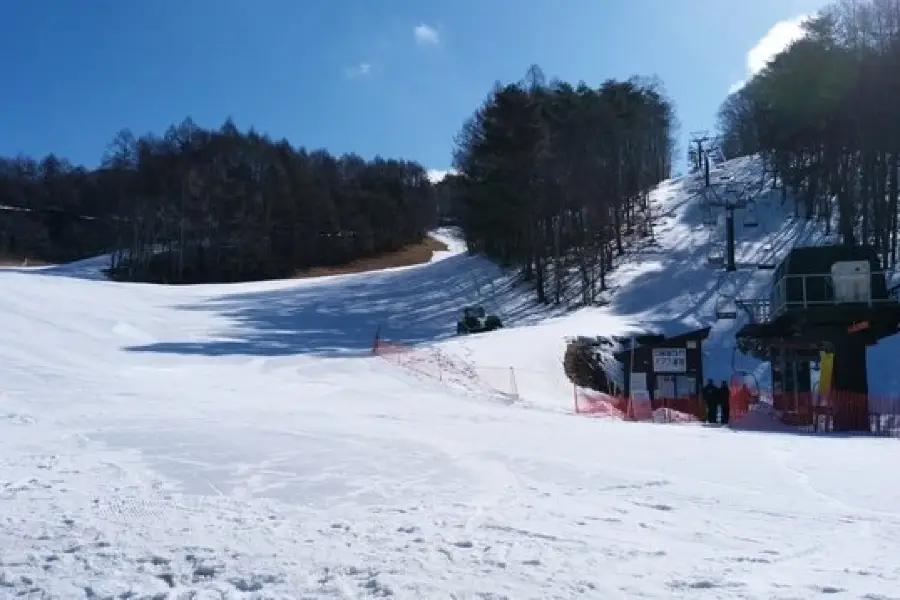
(750, 214)
(716, 255)
(738, 372)
(725, 307)
(768, 262)
(742, 376)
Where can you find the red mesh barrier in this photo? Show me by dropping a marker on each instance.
(660, 410)
(448, 369)
(830, 412)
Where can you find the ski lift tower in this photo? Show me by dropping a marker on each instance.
(701, 159)
(730, 199)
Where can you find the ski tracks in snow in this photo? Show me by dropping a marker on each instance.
(83, 520)
(69, 534)
(842, 520)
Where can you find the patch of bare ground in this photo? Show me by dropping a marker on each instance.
(413, 254)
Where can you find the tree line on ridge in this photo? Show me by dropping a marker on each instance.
(825, 117)
(202, 205)
(554, 178)
(551, 179)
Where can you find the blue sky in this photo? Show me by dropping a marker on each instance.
(392, 77)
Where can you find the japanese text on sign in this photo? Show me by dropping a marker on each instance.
(669, 360)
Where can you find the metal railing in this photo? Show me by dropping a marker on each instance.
(757, 309)
(814, 290)
(802, 292)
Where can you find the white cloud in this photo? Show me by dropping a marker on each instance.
(360, 70)
(779, 37)
(436, 175)
(425, 34)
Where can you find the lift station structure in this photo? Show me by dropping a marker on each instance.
(831, 299)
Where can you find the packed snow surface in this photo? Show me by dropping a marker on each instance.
(242, 442)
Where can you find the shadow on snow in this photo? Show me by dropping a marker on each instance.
(338, 316)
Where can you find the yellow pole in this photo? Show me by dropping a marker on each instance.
(826, 371)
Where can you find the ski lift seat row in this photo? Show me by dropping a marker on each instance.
(768, 263)
(726, 308)
(716, 255)
(751, 218)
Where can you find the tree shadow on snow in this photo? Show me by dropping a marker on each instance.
(339, 316)
(676, 287)
(672, 288)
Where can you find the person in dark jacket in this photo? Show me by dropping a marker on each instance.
(711, 398)
(724, 397)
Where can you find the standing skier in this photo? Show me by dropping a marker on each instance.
(711, 397)
(724, 401)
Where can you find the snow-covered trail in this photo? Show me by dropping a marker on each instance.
(152, 448)
(353, 489)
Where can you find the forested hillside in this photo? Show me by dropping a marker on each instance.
(198, 205)
(825, 116)
(553, 177)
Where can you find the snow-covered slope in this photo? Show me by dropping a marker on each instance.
(241, 442)
(670, 286)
